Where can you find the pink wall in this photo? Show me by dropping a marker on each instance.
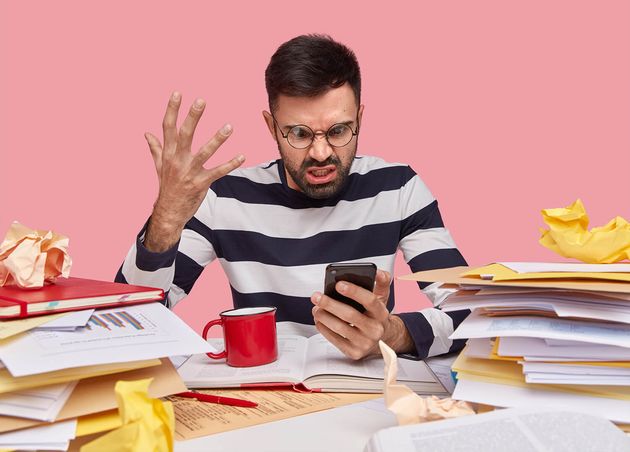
(504, 108)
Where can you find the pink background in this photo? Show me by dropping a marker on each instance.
(504, 108)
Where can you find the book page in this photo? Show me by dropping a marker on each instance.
(200, 371)
(506, 431)
(323, 358)
(194, 419)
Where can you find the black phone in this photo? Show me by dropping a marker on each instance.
(362, 274)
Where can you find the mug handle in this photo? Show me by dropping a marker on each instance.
(210, 324)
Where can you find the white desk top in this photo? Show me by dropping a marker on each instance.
(346, 428)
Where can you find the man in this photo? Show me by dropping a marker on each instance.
(275, 227)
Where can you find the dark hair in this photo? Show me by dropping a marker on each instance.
(310, 65)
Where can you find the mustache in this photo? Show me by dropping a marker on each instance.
(310, 163)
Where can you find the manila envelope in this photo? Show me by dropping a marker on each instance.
(94, 395)
(8, 383)
(453, 275)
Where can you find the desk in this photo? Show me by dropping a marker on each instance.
(346, 428)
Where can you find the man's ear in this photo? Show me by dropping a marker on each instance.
(360, 115)
(270, 125)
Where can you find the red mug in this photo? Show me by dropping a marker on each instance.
(250, 336)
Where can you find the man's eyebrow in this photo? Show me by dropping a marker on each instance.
(290, 126)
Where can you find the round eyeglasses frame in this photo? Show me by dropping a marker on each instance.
(319, 132)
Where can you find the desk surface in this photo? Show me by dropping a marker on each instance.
(346, 428)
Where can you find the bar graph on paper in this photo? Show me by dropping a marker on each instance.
(120, 319)
(106, 327)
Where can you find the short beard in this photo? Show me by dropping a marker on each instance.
(320, 191)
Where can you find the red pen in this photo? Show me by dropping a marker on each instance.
(217, 399)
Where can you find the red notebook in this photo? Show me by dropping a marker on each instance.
(71, 294)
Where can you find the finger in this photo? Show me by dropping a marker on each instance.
(156, 151)
(341, 310)
(375, 308)
(383, 284)
(207, 150)
(343, 344)
(219, 171)
(356, 293)
(169, 123)
(187, 130)
(337, 325)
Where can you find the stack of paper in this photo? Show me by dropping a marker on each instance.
(64, 367)
(557, 334)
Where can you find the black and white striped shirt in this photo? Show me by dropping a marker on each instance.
(275, 242)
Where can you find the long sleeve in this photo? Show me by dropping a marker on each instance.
(426, 244)
(176, 270)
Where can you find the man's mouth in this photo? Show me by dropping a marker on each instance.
(321, 175)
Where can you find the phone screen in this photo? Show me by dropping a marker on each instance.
(362, 274)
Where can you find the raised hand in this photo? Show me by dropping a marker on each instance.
(183, 179)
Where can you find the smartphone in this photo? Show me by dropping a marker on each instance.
(362, 274)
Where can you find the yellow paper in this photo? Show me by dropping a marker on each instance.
(194, 419)
(30, 257)
(10, 328)
(409, 407)
(9, 383)
(498, 272)
(568, 235)
(147, 424)
(98, 422)
(453, 276)
(510, 373)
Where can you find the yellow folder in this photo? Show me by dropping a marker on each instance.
(502, 273)
(454, 275)
(9, 383)
(510, 373)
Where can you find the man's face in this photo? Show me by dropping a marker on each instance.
(320, 170)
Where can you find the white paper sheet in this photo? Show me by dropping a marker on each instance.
(612, 312)
(476, 325)
(70, 321)
(533, 347)
(514, 396)
(509, 430)
(544, 267)
(441, 367)
(112, 336)
(42, 404)
(48, 437)
(563, 343)
(573, 369)
(562, 379)
(479, 348)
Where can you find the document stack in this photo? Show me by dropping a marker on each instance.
(552, 335)
(58, 371)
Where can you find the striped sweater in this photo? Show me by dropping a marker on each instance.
(274, 243)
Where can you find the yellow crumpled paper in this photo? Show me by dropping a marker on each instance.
(409, 407)
(148, 424)
(568, 235)
(30, 257)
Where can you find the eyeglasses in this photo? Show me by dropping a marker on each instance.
(301, 136)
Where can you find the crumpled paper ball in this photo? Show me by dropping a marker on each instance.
(147, 424)
(409, 407)
(30, 257)
(568, 235)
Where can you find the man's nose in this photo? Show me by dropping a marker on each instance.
(320, 149)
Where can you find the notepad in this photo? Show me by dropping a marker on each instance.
(71, 294)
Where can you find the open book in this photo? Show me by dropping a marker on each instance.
(512, 429)
(313, 362)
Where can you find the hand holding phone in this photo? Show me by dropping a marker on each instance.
(363, 274)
